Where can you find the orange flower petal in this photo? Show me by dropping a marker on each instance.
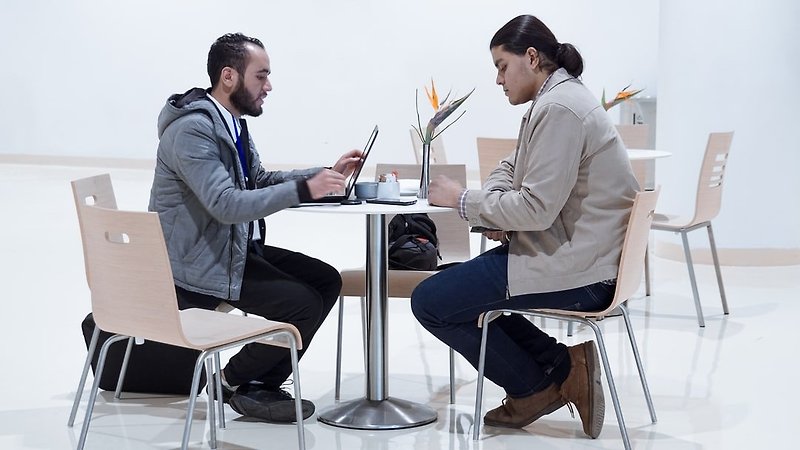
(435, 100)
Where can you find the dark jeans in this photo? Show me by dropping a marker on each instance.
(279, 285)
(520, 357)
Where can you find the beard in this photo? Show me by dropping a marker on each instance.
(243, 101)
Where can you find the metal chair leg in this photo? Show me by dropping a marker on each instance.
(570, 328)
(487, 318)
(452, 376)
(187, 427)
(298, 405)
(713, 246)
(338, 384)
(647, 283)
(82, 382)
(212, 421)
(692, 279)
(611, 386)
(218, 385)
(639, 364)
(124, 368)
(101, 361)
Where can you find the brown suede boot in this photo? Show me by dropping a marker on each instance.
(584, 389)
(519, 412)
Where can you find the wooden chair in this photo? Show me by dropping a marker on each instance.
(453, 234)
(629, 277)
(490, 152)
(99, 191)
(133, 295)
(438, 155)
(707, 206)
(637, 136)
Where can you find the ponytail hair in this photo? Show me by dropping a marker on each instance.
(526, 31)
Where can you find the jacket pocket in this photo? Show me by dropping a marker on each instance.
(204, 241)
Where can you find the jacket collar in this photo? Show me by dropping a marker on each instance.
(558, 77)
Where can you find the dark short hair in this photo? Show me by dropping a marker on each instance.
(229, 51)
(527, 31)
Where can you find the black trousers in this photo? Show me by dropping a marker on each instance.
(279, 285)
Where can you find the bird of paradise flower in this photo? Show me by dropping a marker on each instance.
(442, 111)
(621, 96)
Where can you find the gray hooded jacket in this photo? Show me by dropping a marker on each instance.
(201, 199)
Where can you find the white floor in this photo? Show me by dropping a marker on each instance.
(728, 386)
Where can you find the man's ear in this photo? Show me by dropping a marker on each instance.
(229, 77)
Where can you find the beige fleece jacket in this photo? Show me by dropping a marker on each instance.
(564, 195)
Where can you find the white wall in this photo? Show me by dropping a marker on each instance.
(732, 66)
(89, 77)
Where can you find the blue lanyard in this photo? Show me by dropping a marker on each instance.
(240, 148)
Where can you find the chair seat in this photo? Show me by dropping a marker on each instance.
(401, 283)
(594, 315)
(671, 222)
(208, 329)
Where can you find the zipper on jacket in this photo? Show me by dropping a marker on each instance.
(230, 263)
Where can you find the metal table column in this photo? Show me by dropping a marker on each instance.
(377, 411)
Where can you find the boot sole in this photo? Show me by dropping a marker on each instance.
(282, 411)
(598, 408)
(547, 410)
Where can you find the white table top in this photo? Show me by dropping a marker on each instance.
(641, 154)
(421, 206)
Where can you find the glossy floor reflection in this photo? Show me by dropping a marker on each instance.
(728, 386)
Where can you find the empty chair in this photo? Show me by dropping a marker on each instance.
(453, 237)
(629, 277)
(96, 190)
(437, 149)
(132, 289)
(490, 152)
(706, 208)
(637, 136)
(99, 191)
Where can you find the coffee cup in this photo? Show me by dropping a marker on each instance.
(389, 189)
(366, 189)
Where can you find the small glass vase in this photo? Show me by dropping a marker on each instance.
(425, 176)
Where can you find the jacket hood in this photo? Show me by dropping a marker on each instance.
(179, 105)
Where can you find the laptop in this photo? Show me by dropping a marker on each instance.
(335, 199)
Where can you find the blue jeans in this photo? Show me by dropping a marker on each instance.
(520, 358)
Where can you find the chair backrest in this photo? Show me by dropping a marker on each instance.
(129, 275)
(491, 151)
(634, 246)
(437, 149)
(452, 230)
(96, 190)
(712, 175)
(636, 136)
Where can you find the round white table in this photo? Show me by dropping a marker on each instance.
(376, 411)
(641, 154)
(643, 163)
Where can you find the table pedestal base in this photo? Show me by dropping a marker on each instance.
(389, 414)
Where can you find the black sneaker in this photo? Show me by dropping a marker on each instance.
(270, 405)
(227, 392)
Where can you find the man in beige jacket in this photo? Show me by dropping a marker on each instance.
(559, 205)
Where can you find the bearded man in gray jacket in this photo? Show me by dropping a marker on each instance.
(211, 194)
